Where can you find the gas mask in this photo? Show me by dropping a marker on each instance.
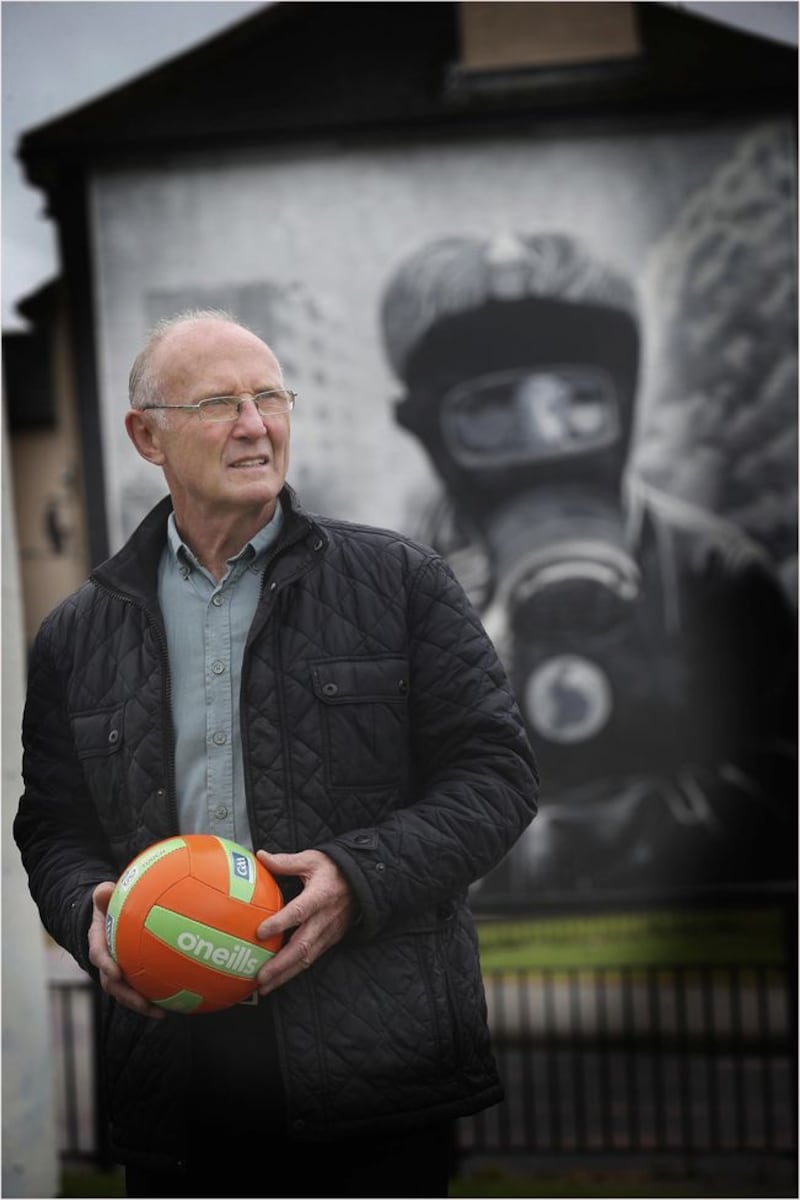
(519, 355)
(526, 411)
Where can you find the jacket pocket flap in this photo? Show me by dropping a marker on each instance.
(356, 680)
(98, 732)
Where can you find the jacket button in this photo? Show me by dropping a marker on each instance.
(318, 544)
(403, 685)
(380, 866)
(330, 689)
(299, 1124)
(113, 736)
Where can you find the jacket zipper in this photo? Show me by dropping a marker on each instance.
(298, 535)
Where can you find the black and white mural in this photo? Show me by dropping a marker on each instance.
(571, 366)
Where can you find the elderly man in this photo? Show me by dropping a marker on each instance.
(323, 693)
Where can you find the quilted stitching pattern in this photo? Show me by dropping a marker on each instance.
(365, 662)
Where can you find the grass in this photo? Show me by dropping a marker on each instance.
(87, 1182)
(490, 1181)
(618, 1184)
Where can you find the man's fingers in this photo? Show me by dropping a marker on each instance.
(295, 957)
(99, 954)
(309, 942)
(103, 893)
(291, 915)
(112, 979)
(318, 917)
(284, 864)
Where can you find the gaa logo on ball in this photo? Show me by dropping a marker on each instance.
(182, 922)
(241, 865)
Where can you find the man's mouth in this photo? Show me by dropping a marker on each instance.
(250, 462)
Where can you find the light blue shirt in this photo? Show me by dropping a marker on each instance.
(207, 624)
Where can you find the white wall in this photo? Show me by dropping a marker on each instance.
(30, 1160)
(304, 242)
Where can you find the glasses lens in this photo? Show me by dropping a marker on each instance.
(273, 403)
(219, 408)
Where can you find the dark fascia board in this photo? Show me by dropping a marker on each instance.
(290, 69)
(39, 306)
(300, 71)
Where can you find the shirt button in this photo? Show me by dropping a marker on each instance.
(218, 667)
(220, 812)
(217, 601)
(220, 738)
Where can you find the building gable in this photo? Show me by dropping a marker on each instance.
(304, 70)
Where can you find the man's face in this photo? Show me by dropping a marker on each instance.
(225, 468)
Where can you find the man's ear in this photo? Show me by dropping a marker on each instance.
(145, 436)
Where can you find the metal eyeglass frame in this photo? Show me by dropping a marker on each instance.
(234, 405)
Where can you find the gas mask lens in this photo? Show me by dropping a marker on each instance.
(528, 416)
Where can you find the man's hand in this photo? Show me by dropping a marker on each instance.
(111, 978)
(320, 916)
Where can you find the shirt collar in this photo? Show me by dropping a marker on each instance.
(253, 550)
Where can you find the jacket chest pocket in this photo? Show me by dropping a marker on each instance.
(363, 705)
(99, 739)
(98, 734)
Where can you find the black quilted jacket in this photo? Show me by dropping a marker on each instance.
(378, 726)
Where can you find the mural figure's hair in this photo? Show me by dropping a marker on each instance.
(143, 387)
(457, 274)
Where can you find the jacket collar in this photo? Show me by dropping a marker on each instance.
(133, 570)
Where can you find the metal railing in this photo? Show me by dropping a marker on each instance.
(82, 1129)
(680, 1059)
(675, 1057)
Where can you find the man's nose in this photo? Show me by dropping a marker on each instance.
(249, 419)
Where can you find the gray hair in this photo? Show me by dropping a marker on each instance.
(143, 384)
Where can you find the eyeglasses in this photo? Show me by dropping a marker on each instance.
(278, 402)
